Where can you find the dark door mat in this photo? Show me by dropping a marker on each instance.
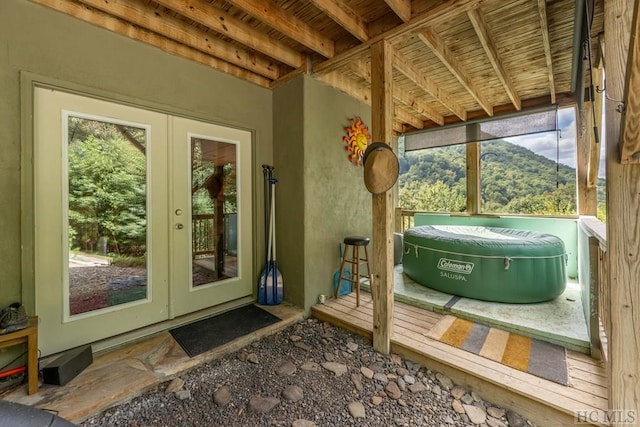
(204, 335)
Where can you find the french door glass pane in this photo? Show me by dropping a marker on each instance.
(107, 214)
(214, 211)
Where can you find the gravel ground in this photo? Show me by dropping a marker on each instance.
(310, 374)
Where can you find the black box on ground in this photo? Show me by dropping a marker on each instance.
(67, 366)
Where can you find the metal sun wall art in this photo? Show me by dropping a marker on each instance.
(357, 139)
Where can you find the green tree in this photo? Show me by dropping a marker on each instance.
(514, 179)
(107, 194)
(558, 202)
(437, 197)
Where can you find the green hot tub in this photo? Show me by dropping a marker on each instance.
(486, 263)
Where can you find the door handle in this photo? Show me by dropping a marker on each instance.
(179, 226)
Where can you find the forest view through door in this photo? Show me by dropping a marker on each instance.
(109, 179)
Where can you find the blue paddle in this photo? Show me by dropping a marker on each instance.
(274, 282)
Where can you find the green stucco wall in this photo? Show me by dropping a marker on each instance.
(288, 157)
(37, 40)
(321, 195)
(337, 203)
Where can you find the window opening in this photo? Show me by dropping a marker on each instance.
(530, 170)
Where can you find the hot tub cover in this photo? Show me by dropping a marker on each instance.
(487, 263)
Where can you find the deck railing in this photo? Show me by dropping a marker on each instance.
(404, 219)
(203, 238)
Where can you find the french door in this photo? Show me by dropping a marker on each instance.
(210, 237)
(140, 217)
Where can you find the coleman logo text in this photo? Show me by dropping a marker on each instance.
(461, 267)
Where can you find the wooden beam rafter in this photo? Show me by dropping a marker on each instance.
(544, 28)
(440, 49)
(563, 100)
(418, 105)
(156, 20)
(362, 93)
(402, 64)
(108, 22)
(289, 76)
(288, 24)
(345, 16)
(490, 49)
(630, 144)
(402, 8)
(219, 21)
(405, 117)
(432, 16)
(400, 95)
(349, 86)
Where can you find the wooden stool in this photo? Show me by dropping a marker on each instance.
(29, 336)
(355, 242)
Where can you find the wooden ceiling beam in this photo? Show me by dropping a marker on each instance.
(288, 24)
(154, 19)
(440, 49)
(400, 95)
(404, 117)
(289, 76)
(219, 21)
(108, 22)
(490, 49)
(432, 16)
(562, 100)
(402, 8)
(349, 86)
(419, 106)
(345, 16)
(630, 143)
(544, 28)
(402, 64)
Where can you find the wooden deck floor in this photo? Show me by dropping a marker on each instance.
(544, 402)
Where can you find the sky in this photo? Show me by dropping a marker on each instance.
(545, 143)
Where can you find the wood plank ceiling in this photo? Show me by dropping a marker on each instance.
(453, 60)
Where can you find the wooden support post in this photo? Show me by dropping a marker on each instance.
(630, 142)
(381, 128)
(473, 169)
(587, 196)
(623, 222)
(473, 178)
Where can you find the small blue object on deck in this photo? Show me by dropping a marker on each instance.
(486, 263)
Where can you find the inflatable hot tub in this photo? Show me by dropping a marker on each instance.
(486, 263)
